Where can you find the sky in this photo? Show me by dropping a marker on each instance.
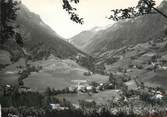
(94, 13)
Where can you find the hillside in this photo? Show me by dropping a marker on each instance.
(127, 32)
(40, 37)
(40, 42)
(83, 39)
(135, 47)
(58, 74)
(50, 77)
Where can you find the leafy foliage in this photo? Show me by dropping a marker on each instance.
(143, 7)
(38, 104)
(71, 11)
(87, 62)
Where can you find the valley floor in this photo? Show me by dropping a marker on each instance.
(136, 80)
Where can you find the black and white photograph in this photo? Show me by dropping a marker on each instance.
(83, 58)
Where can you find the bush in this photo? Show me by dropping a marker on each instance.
(87, 74)
(87, 104)
(112, 60)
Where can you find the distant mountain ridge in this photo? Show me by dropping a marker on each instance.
(126, 32)
(84, 38)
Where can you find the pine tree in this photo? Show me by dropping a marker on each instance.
(8, 26)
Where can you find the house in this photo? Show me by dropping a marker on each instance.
(163, 68)
(158, 96)
(11, 115)
(81, 87)
(8, 86)
(24, 89)
(89, 88)
(58, 107)
(76, 106)
(88, 73)
(10, 72)
(80, 84)
(72, 89)
(54, 106)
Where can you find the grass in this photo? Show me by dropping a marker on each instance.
(74, 98)
(99, 98)
(103, 97)
(58, 74)
(58, 77)
(12, 78)
(8, 78)
(40, 81)
(4, 57)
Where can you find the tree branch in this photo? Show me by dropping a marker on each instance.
(160, 12)
(156, 9)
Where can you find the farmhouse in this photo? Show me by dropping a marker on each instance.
(57, 107)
